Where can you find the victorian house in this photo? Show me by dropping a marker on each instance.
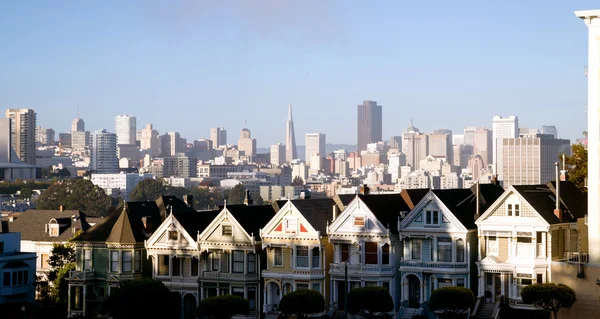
(297, 249)
(365, 242)
(439, 239)
(522, 233)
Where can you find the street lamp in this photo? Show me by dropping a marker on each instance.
(346, 282)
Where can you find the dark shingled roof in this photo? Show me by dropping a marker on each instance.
(166, 203)
(253, 217)
(32, 224)
(542, 199)
(317, 211)
(124, 227)
(463, 202)
(387, 207)
(196, 222)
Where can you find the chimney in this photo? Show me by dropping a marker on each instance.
(61, 208)
(147, 221)
(364, 190)
(557, 211)
(248, 200)
(335, 212)
(11, 219)
(563, 173)
(189, 200)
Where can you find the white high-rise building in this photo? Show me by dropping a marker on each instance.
(125, 129)
(502, 127)
(23, 123)
(103, 152)
(149, 140)
(315, 145)
(218, 136)
(469, 135)
(77, 125)
(277, 154)
(120, 184)
(247, 144)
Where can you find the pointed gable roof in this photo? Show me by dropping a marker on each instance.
(463, 202)
(251, 217)
(542, 198)
(121, 231)
(317, 211)
(194, 223)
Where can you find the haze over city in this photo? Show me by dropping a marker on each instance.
(190, 66)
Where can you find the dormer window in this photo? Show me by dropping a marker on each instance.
(359, 221)
(53, 228)
(173, 235)
(226, 230)
(291, 226)
(432, 218)
(513, 210)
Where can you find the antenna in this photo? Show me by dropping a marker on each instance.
(245, 124)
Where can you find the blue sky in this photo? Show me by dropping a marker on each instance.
(190, 65)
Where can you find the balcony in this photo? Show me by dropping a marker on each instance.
(217, 275)
(431, 265)
(576, 258)
(376, 270)
(81, 275)
(177, 280)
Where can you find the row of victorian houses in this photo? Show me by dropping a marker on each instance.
(485, 238)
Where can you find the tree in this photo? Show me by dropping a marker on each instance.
(549, 296)
(144, 298)
(370, 302)
(236, 195)
(302, 303)
(61, 261)
(60, 285)
(223, 307)
(79, 194)
(147, 190)
(61, 255)
(298, 181)
(26, 192)
(452, 301)
(577, 165)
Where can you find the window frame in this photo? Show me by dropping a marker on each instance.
(369, 255)
(277, 252)
(87, 260)
(413, 244)
(114, 262)
(358, 218)
(170, 235)
(315, 257)
(291, 225)
(302, 254)
(489, 251)
(251, 261)
(444, 246)
(344, 250)
(215, 261)
(432, 218)
(126, 263)
(137, 260)
(226, 230)
(385, 254)
(236, 262)
(460, 250)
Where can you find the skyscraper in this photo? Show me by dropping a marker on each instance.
(549, 129)
(218, 136)
(103, 152)
(369, 124)
(440, 146)
(482, 144)
(290, 137)
(149, 140)
(247, 144)
(23, 123)
(77, 125)
(315, 145)
(503, 127)
(277, 154)
(125, 129)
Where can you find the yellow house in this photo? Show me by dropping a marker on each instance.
(297, 249)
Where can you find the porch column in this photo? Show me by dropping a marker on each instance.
(534, 246)
(265, 296)
(246, 263)
(83, 297)
(544, 248)
(69, 301)
(502, 284)
(170, 266)
(481, 283)
(201, 292)
(422, 290)
(434, 256)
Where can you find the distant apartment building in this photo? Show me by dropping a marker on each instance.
(23, 123)
(415, 147)
(440, 145)
(502, 127)
(172, 144)
(482, 144)
(431, 164)
(125, 128)
(395, 142)
(530, 160)
(220, 171)
(218, 136)
(369, 124)
(77, 125)
(418, 179)
(277, 154)
(315, 145)
(395, 161)
(469, 135)
(130, 152)
(247, 144)
(44, 136)
(184, 182)
(299, 169)
(180, 166)
(103, 152)
(80, 140)
(64, 139)
(275, 192)
(451, 181)
(476, 165)
(149, 141)
(120, 184)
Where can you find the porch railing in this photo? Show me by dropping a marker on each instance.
(576, 258)
(431, 264)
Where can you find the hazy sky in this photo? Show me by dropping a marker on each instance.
(192, 65)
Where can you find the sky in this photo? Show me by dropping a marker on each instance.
(188, 66)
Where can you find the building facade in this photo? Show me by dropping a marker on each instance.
(149, 141)
(369, 124)
(23, 123)
(17, 269)
(120, 184)
(502, 127)
(125, 128)
(277, 154)
(103, 152)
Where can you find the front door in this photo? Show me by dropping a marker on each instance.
(341, 296)
(414, 292)
(497, 287)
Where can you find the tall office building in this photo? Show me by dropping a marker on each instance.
(44, 136)
(482, 144)
(172, 144)
(315, 145)
(550, 130)
(103, 152)
(80, 140)
(414, 146)
(277, 154)
(395, 142)
(23, 123)
(125, 129)
(218, 136)
(290, 137)
(503, 127)
(468, 135)
(149, 140)
(78, 125)
(369, 124)
(247, 144)
(440, 146)
(530, 160)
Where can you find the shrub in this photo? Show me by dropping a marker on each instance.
(302, 303)
(451, 301)
(370, 302)
(223, 307)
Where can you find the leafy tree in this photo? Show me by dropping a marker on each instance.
(61, 255)
(26, 192)
(236, 195)
(451, 301)
(577, 165)
(144, 298)
(298, 181)
(302, 303)
(549, 296)
(60, 285)
(370, 302)
(223, 307)
(148, 189)
(79, 194)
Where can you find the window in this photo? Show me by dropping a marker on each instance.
(277, 257)
(492, 246)
(460, 282)
(126, 261)
(44, 261)
(291, 225)
(251, 263)
(345, 250)
(87, 259)
(226, 230)
(522, 282)
(53, 230)
(215, 261)
(6, 280)
(114, 261)
(432, 217)
(524, 247)
(302, 256)
(415, 249)
(235, 291)
(444, 249)
(176, 266)
(371, 253)
(371, 284)
(509, 210)
(252, 298)
(301, 286)
(359, 221)
(137, 258)
(194, 266)
(173, 235)
(19, 278)
(513, 210)
(163, 265)
(517, 210)
(385, 254)
(238, 261)
(460, 251)
(444, 282)
(1, 247)
(540, 278)
(316, 286)
(316, 257)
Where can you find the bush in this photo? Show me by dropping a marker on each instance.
(451, 300)
(549, 296)
(223, 307)
(370, 302)
(144, 298)
(302, 303)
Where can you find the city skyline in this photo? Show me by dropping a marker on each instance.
(399, 79)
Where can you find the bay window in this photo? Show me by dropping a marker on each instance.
(316, 257)
(385, 254)
(238, 261)
(415, 249)
(126, 263)
(114, 261)
(277, 257)
(251, 263)
(460, 250)
(345, 252)
(444, 249)
(371, 253)
(302, 256)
